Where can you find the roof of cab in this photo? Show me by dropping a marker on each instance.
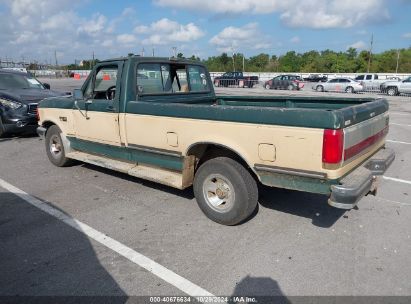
(154, 59)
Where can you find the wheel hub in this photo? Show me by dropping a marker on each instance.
(217, 192)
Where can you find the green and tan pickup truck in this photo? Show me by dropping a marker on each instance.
(159, 119)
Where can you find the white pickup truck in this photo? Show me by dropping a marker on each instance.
(393, 88)
(370, 82)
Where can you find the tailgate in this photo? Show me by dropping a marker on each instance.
(361, 137)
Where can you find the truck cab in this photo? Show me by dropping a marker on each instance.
(370, 82)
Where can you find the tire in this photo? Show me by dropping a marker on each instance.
(232, 193)
(290, 87)
(392, 91)
(2, 132)
(55, 148)
(349, 90)
(267, 86)
(319, 88)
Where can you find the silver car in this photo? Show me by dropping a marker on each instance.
(347, 85)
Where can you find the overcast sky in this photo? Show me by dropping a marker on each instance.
(34, 29)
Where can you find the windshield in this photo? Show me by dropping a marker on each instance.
(16, 82)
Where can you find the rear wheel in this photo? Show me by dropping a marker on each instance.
(349, 90)
(392, 91)
(55, 148)
(225, 191)
(320, 88)
(267, 86)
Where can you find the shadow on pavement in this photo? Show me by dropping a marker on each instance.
(42, 256)
(264, 289)
(8, 137)
(187, 193)
(303, 204)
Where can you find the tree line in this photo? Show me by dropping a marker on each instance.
(328, 61)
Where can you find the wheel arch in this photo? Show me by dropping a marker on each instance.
(206, 150)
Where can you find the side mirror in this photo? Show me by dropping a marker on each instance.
(78, 94)
(46, 86)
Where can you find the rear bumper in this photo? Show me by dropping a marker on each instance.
(361, 181)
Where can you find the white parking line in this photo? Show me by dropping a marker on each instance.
(397, 124)
(391, 201)
(398, 142)
(137, 258)
(396, 180)
(401, 114)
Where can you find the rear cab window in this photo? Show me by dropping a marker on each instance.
(165, 78)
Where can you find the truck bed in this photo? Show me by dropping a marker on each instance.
(325, 113)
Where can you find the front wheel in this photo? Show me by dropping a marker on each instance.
(267, 86)
(320, 88)
(225, 191)
(290, 87)
(55, 148)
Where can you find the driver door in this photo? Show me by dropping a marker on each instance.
(96, 116)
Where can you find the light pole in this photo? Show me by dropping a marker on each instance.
(398, 59)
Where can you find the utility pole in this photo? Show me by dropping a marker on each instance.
(370, 53)
(174, 48)
(92, 63)
(55, 57)
(398, 59)
(243, 64)
(153, 51)
(142, 52)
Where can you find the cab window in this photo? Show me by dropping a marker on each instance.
(154, 78)
(198, 79)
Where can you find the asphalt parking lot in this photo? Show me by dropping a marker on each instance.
(296, 245)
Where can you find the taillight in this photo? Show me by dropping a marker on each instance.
(333, 146)
(270, 82)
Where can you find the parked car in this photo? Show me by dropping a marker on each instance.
(339, 85)
(393, 88)
(235, 78)
(285, 82)
(20, 94)
(316, 78)
(224, 146)
(370, 82)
